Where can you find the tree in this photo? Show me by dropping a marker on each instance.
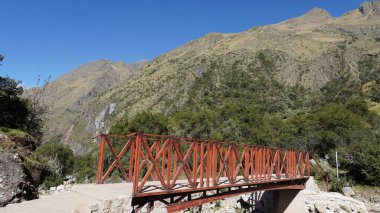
(14, 109)
(23, 113)
(142, 122)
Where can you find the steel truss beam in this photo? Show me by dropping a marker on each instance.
(185, 165)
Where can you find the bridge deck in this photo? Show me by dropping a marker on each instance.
(182, 186)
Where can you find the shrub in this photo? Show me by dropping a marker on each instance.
(59, 160)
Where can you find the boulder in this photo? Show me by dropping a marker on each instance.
(61, 188)
(324, 202)
(16, 185)
(348, 191)
(374, 199)
(320, 207)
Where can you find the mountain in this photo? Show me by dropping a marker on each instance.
(69, 95)
(276, 67)
(309, 51)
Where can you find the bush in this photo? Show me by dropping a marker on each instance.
(142, 122)
(85, 166)
(59, 160)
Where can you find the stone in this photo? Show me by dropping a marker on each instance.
(115, 203)
(61, 188)
(144, 209)
(345, 207)
(340, 211)
(118, 210)
(312, 208)
(160, 209)
(82, 208)
(94, 207)
(348, 191)
(320, 207)
(106, 204)
(374, 199)
(128, 204)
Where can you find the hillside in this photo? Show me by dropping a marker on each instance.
(69, 94)
(264, 64)
(279, 68)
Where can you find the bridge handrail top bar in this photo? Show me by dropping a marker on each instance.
(191, 140)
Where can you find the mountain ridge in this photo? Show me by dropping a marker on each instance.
(69, 93)
(261, 65)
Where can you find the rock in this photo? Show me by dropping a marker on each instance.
(106, 205)
(128, 204)
(320, 207)
(115, 203)
(341, 211)
(331, 202)
(61, 188)
(348, 191)
(160, 209)
(312, 208)
(374, 199)
(82, 208)
(373, 208)
(94, 207)
(16, 185)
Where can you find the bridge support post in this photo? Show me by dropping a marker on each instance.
(289, 201)
(99, 174)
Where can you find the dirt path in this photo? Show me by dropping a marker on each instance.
(66, 202)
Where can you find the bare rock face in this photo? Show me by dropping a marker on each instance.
(318, 201)
(14, 183)
(370, 9)
(18, 178)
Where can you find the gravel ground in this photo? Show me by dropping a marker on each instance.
(67, 201)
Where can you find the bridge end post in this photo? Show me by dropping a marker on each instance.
(99, 173)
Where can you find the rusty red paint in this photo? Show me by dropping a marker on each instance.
(202, 163)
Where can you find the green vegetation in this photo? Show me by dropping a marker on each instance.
(13, 132)
(59, 161)
(85, 166)
(265, 112)
(16, 112)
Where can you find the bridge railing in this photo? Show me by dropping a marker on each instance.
(178, 163)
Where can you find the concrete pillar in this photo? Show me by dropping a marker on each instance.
(289, 201)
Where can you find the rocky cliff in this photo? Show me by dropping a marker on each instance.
(67, 97)
(20, 175)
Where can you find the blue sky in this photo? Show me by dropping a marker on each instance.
(51, 37)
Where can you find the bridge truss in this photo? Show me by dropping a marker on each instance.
(185, 172)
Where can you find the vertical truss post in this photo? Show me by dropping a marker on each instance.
(131, 158)
(208, 162)
(136, 172)
(169, 166)
(214, 163)
(202, 164)
(99, 174)
(195, 164)
(307, 158)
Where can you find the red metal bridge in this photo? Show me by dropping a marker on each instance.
(185, 172)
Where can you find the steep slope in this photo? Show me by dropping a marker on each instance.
(69, 95)
(260, 64)
(277, 68)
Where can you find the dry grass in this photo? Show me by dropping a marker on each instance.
(375, 107)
